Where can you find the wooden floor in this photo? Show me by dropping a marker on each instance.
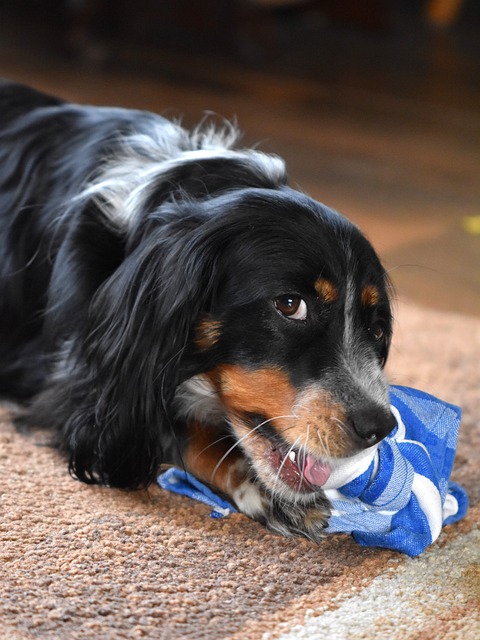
(388, 136)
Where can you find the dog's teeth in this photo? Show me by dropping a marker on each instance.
(293, 456)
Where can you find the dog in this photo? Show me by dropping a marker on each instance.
(167, 299)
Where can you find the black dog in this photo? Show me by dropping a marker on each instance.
(167, 299)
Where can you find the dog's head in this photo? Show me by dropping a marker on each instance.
(293, 334)
(278, 302)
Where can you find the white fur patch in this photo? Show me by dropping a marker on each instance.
(196, 399)
(249, 500)
(129, 178)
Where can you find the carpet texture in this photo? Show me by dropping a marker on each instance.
(89, 562)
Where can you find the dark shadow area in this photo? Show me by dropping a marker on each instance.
(375, 105)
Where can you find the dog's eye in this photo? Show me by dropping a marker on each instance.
(292, 307)
(377, 331)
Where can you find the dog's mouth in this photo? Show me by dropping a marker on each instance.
(297, 469)
(279, 462)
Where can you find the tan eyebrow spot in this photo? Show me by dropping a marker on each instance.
(207, 333)
(326, 290)
(370, 296)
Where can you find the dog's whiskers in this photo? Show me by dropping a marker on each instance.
(322, 443)
(304, 457)
(250, 433)
(343, 427)
(212, 444)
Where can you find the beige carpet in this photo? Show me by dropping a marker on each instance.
(83, 562)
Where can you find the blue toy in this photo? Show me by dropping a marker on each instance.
(399, 495)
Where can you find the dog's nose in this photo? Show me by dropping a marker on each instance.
(372, 424)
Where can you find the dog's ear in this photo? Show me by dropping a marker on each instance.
(122, 370)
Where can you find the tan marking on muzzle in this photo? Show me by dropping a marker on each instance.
(265, 391)
(321, 424)
(311, 418)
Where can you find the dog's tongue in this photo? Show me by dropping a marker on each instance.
(316, 472)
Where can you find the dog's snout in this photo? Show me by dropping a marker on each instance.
(372, 424)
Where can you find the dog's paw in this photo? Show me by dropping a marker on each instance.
(307, 517)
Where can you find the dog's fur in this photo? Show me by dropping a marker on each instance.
(167, 299)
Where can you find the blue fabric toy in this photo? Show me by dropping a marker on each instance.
(397, 496)
(185, 484)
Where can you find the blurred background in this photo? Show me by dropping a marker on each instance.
(375, 104)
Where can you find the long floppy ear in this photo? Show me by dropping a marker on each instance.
(114, 398)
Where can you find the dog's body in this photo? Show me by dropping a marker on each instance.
(167, 299)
